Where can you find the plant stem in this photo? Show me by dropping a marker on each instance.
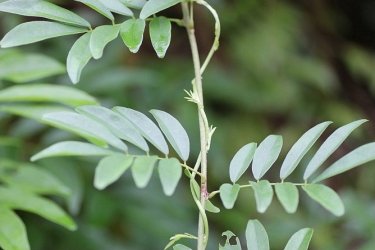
(203, 127)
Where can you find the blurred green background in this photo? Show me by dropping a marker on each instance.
(282, 67)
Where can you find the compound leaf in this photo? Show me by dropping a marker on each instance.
(228, 194)
(110, 169)
(300, 148)
(142, 169)
(358, 156)
(170, 172)
(99, 7)
(131, 33)
(241, 161)
(160, 34)
(329, 146)
(266, 155)
(68, 148)
(116, 123)
(154, 6)
(300, 240)
(174, 132)
(287, 193)
(38, 8)
(326, 197)
(100, 37)
(256, 236)
(263, 194)
(78, 56)
(35, 31)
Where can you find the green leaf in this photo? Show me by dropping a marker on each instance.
(300, 240)
(100, 37)
(266, 155)
(300, 148)
(145, 127)
(142, 169)
(358, 156)
(117, 124)
(228, 194)
(287, 193)
(131, 33)
(110, 169)
(135, 4)
(79, 55)
(13, 235)
(211, 207)
(174, 132)
(170, 172)
(68, 148)
(35, 31)
(160, 34)
(98, 7)
(263, 194)
(329, 146)
(21, 68)
(36, 180)
(117, 7)
(241, 161)
(23, 200)
(35, 112)
(46, 93)
(38, 8)
(84, 127)
(228, 246)
(181, 247)
(256, 236)
(154, 6)
(326, 197)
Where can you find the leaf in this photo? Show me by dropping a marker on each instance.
(160, 34)
(68, 148)
(174, 132)
(241, 161)
(36, 180)
(32, 111)
(287, 193)
(300, 148)
(326, 197)
(131, 33)
(46, 93)
(99, 7)
(110, 169)
(228, 194)
(135, 4)
(154, 6)
(181, 247)
(79, 55)
(211, 207)
(142, 169)
(117, 124)
(263, 194)
(21, 68)
(228, 246)
(37, 8)
(13, 235)
(170, 172)
(22, 200)
(300, 240)
(145, 127)
(329, 146)
(35, 31)
(117, 7)
(358, 156)
(84, 127)
(256, 236)
(100, 37)
(266, 155)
